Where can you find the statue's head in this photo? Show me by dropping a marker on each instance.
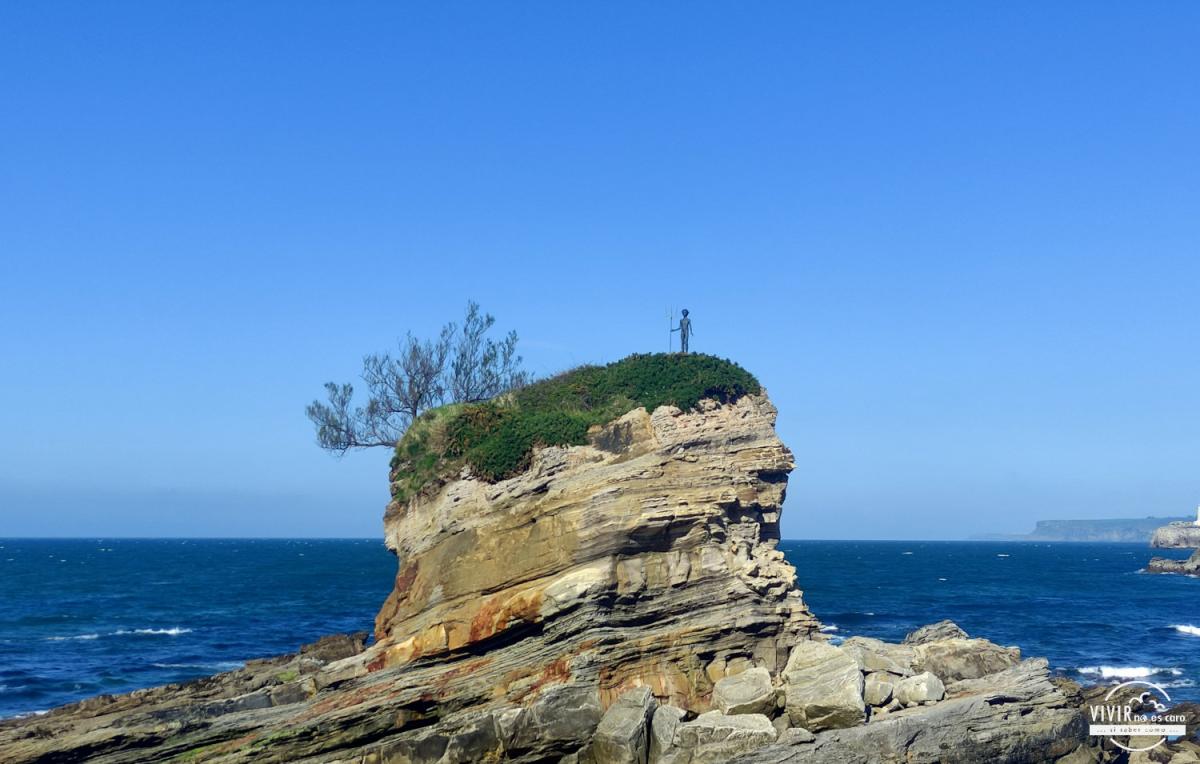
(685, 311)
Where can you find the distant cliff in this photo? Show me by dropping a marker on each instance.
(1113, 530)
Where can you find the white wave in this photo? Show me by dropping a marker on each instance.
(174, 631)
(31, 713)
(1187, 628)
(1002, 555)
(218, 666)
(941, 579)
(1127, 672)
(906, 553)
(77, 636)
(828, 628)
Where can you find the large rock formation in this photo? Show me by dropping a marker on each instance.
(1178, 535)
(646, 558)
(620, 601)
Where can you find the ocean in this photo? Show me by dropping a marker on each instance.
(80, 617)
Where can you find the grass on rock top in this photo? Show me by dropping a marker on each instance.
(497, 437)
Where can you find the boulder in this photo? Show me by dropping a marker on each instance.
(823, 688)
(716, 738)
(663, 723)
(878, 688)
(749, 692)
(922, 688)
(877, 655)
(796, 736)
(623, 734)
(956, 659)
(935, 631)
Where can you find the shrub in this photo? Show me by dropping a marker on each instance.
(497, 438)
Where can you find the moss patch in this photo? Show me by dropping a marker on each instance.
(496, 438)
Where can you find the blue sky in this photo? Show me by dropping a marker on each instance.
(957, 242)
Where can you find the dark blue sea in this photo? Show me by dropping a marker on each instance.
(81, 617)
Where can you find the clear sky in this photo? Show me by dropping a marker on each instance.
(956, 241)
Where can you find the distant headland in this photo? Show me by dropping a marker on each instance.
(1136, 530)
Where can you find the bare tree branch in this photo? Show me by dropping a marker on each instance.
(459, 366)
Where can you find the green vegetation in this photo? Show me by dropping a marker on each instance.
(497, 437)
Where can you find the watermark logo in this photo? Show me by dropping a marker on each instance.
(1138, 712)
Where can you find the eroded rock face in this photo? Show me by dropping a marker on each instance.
(650, 564)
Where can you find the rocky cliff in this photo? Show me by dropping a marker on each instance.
(1183, 534)
(1176, 535)
(644, 558)
(620, 600)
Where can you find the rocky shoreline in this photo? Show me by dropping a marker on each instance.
(1188, 567)
(618, 602)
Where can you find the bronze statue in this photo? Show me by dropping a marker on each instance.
(685, 331)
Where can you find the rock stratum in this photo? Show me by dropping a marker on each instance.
(619, 601)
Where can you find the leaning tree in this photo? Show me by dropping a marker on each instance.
(462, 364)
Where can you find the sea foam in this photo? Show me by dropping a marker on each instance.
(77, 636)
(1187, 628)
(1127, 672)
